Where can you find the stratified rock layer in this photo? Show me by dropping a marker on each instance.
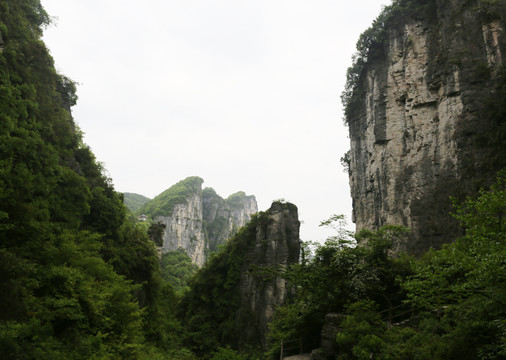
(417, 134)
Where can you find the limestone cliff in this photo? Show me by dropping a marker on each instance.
(223, 217)
(183, 229)
(276, 246)
(198, 220)
(421, 104)
(234, 295)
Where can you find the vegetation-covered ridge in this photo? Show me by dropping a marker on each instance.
(235, 201)
(209, 309)
(134, 201)
(163, 204)
(78, 281)
(218, 309)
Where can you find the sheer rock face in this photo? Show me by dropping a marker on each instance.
(414, 135)
(183, 229)
(223, 217)
(276, 246)
(189, 226)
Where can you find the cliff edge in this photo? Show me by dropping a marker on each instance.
(424, 103)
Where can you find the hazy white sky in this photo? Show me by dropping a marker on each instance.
(243, 93)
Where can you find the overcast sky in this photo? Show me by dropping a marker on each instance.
(243, 93)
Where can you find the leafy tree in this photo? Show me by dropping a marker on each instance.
(466, 282)
(155, 232)
(455, 297)
(338, 273)
(227, 354)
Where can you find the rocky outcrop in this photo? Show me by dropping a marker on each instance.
(184, 230)
(419, 127)
(197, 220)
(223, 217)
(276, 246)
(235, 293)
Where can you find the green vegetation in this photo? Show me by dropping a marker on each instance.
(236, 200)
(177, 269)
(155, 232)
(228, 354)
(334, 274)
(135, 201)
(78, 280)
(82, 281)
(450, 304)
(210, 193)
(163, 204)
(210, 309)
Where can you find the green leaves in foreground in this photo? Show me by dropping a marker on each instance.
(466, 281)
(334, 275)
(456, 296)
(450, 304)
(70, 304)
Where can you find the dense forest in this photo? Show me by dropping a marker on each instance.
(79, 279)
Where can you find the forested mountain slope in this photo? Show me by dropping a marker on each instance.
(134, 201)
(232, 299)
(74, 274)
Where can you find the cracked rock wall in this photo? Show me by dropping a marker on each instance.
(414, 135)
(204, 222)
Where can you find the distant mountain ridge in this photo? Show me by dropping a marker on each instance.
(134, 201)
(196, 220)
(163, 204)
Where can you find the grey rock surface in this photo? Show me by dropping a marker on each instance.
(276, 246)
(204, 222)
(415, 136)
